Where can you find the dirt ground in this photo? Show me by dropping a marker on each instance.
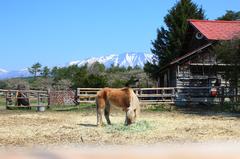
(54, 128)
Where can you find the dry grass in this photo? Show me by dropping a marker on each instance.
(28, 128)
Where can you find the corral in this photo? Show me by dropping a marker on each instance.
(69, 128)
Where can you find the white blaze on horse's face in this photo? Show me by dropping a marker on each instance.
(131, 115)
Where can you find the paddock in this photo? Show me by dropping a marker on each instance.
(21, 128)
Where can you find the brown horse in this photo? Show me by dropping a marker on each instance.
(124, 98)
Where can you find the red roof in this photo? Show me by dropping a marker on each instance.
(217, 29)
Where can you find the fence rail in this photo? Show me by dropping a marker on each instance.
(145, 95)
(32, 98)
(37, 98)
(177, 95)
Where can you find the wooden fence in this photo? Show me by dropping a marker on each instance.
(173, 95)
(196, 95)
(36, 98)
(145, 95)
(177, 95)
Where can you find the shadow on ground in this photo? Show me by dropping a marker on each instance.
(87, 125)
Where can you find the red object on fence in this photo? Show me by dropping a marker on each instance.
(213, 92)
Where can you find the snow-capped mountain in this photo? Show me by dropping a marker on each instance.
(125, 59)
(4, 74)
(2, 71)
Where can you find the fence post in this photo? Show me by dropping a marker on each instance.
(222, 97)
(6, 97)
(173, 94)
(38, 99)
(48, 93)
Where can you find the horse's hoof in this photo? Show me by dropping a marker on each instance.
(100, 125)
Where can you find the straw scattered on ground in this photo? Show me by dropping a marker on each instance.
(29, 128)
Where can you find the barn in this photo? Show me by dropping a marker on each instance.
(199, 67)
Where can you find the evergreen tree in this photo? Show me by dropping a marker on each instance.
(3, 84)
(96, 68)
(95, 81)
(230, 15)
(35, 69)
(114, 69)
(170, 42)
(45, 72)
(228, 52)
(161, 54)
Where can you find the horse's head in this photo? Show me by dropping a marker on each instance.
(131, 115)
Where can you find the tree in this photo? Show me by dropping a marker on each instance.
(228, 52)
(118, 83)
(115, 69)
(170, 42)
(79, 76)
(76, 75)
(35, 69)
(96, 68)
(95, 81)
(230, 15)
(3, 85)
(132, 81)
(41, 83)
(161, 54)
(15, 83)
(45, 72)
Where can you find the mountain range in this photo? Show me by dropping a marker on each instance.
(4, 74)
(123, 60)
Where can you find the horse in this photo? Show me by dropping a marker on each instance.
(22, 99)
(124, 98)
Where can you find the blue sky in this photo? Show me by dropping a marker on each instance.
(55, 32)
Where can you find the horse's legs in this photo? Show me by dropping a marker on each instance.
(99, 117)
(100, 105)
(126, 122)
(106, 113)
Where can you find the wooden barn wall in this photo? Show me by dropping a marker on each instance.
(200, 71)
(173, 76)
(183, 75)
(206, 57)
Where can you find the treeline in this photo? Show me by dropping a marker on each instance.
(95, 75)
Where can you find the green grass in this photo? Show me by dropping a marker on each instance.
(138, 127)
(2, 102)
(81, 107)
(159, 108)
